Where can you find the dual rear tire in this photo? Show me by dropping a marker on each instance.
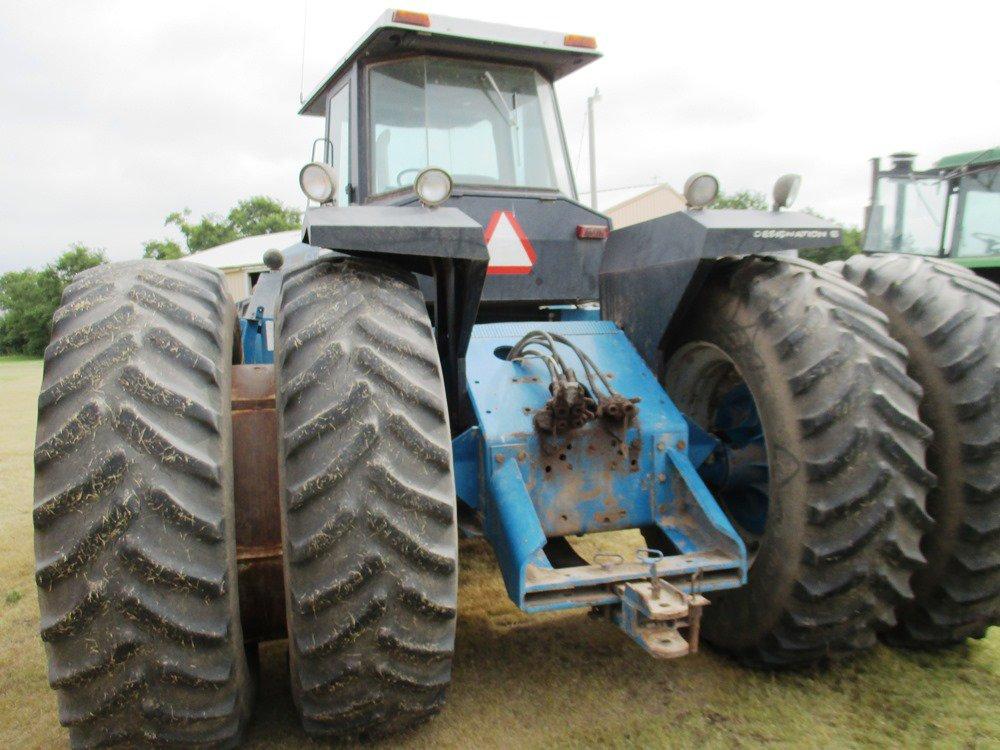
(135, 519)
(134, 515)
(367, 500)
(864, 381)
(831, 501)
(949, 321)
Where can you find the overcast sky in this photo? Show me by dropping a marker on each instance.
(113, 114)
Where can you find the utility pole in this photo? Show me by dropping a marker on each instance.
(593, 147)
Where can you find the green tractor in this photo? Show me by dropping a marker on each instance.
(951, 210)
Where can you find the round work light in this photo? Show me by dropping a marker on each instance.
(700, 190)
(318, 181)
(433, 186)
(786, 190)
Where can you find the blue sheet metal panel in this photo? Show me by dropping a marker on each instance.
(590, 479)
(466, 458)
(512, 528)
(696, 521)
(532, 486)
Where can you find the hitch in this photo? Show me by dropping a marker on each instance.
(653, 612)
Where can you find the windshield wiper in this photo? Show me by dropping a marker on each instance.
(510, 113)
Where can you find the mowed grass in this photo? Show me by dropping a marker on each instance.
(542, 681)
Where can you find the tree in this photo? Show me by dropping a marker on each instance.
(262, 215)
(208, 232)
(255, 215)
(162, 250)
(28, 298)
(741, 199)
(850, 243)
(78, 258)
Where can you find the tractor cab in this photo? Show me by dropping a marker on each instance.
(951, 210)
(469, 108)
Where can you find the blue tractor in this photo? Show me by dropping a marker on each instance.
(460, 345)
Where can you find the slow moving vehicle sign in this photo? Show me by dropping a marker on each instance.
(509, 247)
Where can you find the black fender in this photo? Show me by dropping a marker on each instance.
(651, 271)
(441, 242)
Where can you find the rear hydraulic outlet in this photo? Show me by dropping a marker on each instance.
(617, 408)
(572, 405)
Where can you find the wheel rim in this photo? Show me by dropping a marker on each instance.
(707, 386)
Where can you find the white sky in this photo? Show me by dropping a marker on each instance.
(113, 114)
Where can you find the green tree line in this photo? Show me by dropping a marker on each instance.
(28, 298)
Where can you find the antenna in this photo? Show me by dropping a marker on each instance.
(302, 70)
(593, 147)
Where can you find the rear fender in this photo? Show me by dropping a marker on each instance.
(441, 242)
(651, 272)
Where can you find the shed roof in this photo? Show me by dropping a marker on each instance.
(969, 159)
(545, 50)
(246, 252)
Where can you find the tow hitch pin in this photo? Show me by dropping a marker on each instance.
(651, 557)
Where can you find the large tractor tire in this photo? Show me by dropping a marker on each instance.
(134, 516)
(367, 500)
(949, 320)
(796, 373)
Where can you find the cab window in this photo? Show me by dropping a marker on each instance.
(979, 230)
(339, 145)
(486, 124)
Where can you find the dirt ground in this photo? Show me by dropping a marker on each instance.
(544, 681)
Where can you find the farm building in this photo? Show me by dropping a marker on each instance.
(633, 205)
(241, 260)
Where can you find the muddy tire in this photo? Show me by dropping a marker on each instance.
(840, 474)
(134, 526)
(367, 500)
(949, 320)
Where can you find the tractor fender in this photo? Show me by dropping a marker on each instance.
(442, 242)
(651, 271)
(409, 236)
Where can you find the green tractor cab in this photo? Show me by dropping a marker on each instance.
(951, 210)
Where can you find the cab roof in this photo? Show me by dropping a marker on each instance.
(969, 159)
(402, 32)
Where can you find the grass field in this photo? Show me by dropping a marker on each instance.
(552, 681)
